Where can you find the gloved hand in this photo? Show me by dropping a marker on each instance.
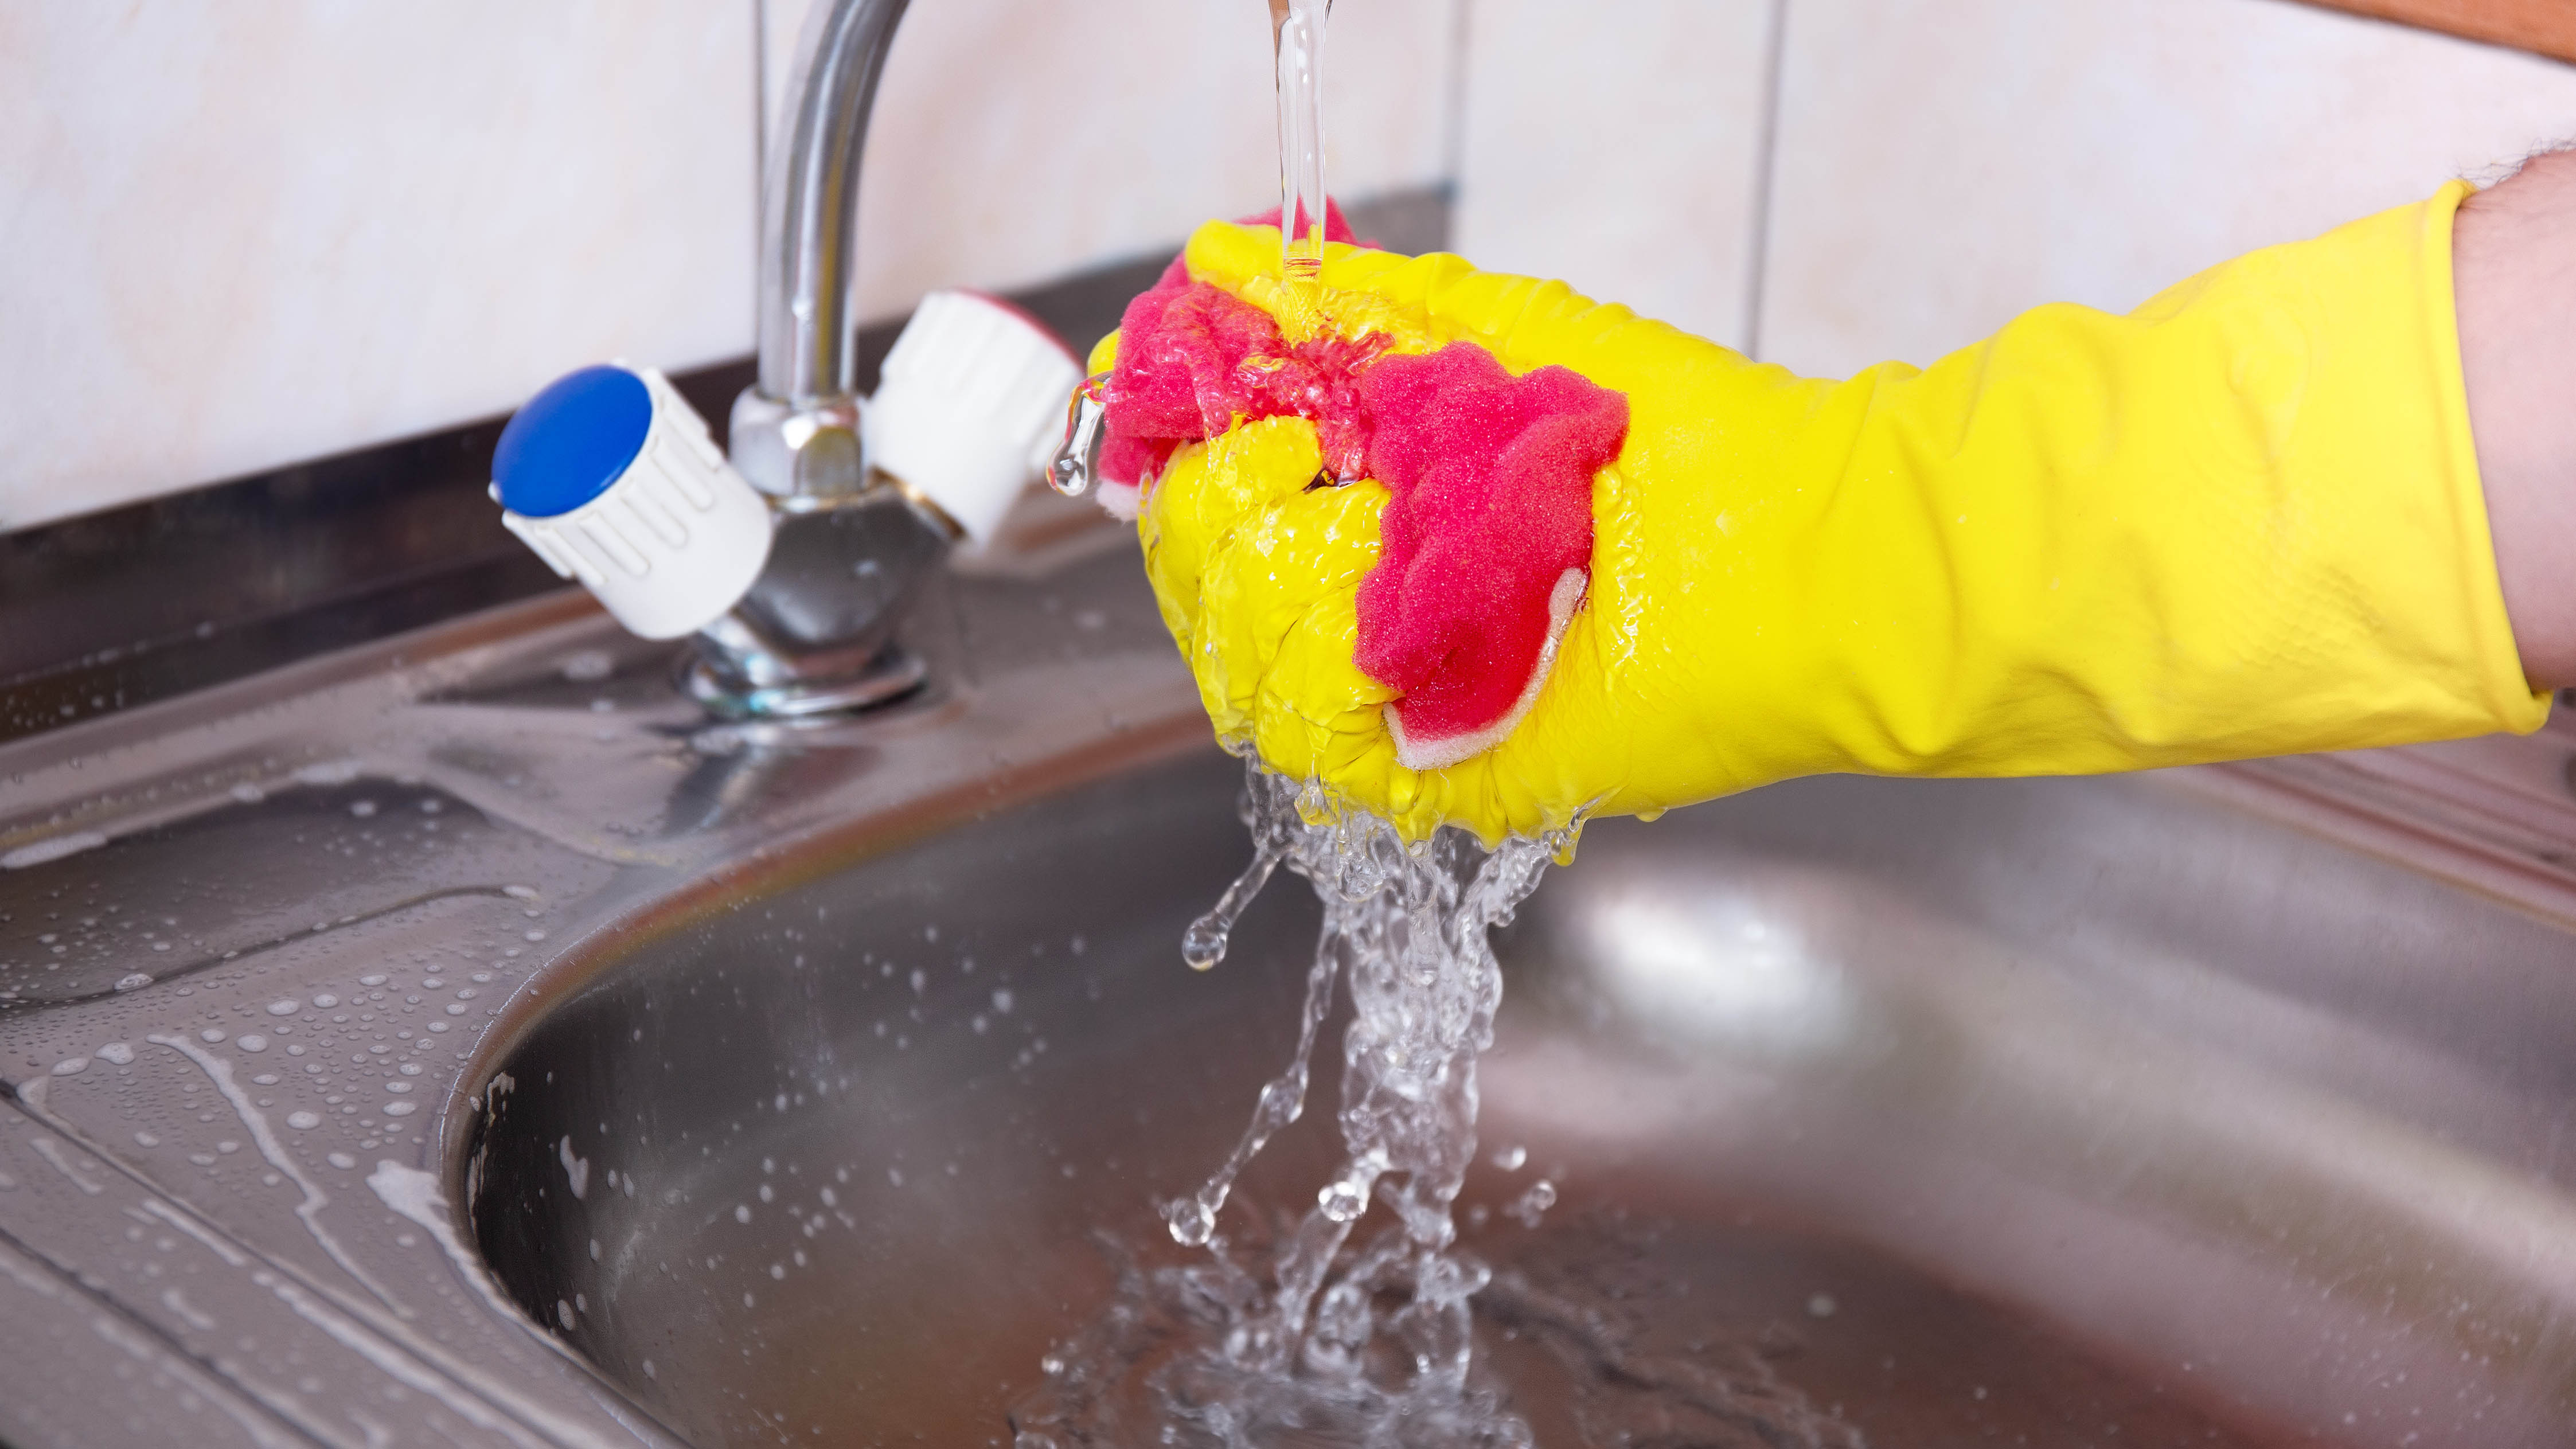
(2244, 519)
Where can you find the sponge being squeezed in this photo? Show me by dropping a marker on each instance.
(1486, 538)
(1194, 361)
(1486, 541)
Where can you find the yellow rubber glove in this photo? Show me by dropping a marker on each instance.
(2243, 520)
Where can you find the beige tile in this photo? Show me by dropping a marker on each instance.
(1016, 140)
(239, 235)
(1945, 164)
(1614, 146)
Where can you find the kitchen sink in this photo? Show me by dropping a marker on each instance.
(462, 1039)
(2047, 1112)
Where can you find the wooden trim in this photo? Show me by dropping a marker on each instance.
(2544, 27)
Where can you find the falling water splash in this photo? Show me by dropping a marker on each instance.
(1362, 1342)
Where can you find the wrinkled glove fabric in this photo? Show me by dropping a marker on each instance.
(1471, 548)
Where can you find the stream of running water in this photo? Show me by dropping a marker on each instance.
(1328, 1334)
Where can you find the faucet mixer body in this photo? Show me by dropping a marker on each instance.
(815, 631)
(862, 497)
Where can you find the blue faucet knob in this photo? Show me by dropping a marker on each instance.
(611, 477)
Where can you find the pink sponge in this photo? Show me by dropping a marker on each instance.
(1191, 358)
(1487, 532)
(1485, 540)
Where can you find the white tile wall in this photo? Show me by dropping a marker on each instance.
(1615, 146)
(232, 236)
(235, 236)
(1945, 164)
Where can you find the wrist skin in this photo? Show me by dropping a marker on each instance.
(2514, 281)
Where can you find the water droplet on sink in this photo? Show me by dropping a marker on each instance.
(303, 1121)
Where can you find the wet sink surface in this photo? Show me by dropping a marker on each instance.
(2028, 1112)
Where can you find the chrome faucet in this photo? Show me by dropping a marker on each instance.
(863, 498)
(803, 410)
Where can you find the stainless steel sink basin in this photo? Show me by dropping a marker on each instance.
(458, 1040)
(2057, 1112)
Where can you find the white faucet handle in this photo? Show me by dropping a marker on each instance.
(970, 406)
(610, 477)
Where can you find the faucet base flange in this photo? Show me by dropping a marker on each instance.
(894, 673)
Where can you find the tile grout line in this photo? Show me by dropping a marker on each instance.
(1757, 262)
(1453, 158)
(759, 118)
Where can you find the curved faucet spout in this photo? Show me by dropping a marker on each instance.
(810, 206)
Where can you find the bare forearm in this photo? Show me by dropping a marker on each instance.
(2515, 274)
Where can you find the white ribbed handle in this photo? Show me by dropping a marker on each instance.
(971, 406)
(672, 541)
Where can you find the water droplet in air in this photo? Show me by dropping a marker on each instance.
(1193, 1222)
(1533, 1203)
(1204, 945)
(1342, 1200)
